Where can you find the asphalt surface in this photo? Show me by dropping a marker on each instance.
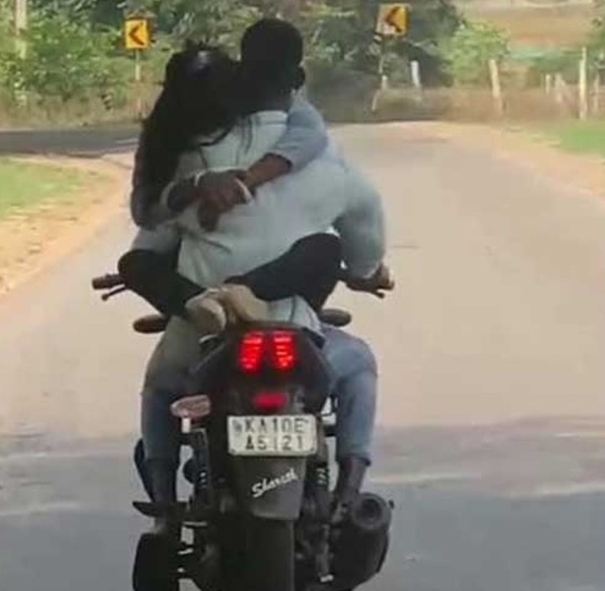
(491, 438)
(82, 142)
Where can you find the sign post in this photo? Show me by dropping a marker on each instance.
(137, 38)
(391, 21)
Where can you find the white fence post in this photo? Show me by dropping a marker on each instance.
(583, 86)
(494, 74)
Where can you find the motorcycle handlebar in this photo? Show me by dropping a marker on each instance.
(107, 281)
(113, 280)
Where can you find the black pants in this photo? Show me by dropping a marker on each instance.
(309, 269)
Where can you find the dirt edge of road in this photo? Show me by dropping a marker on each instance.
(35, 240)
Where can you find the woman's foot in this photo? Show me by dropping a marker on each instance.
(212, 310)
(241, 303)
(207, 312)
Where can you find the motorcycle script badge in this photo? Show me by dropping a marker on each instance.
(267, 484)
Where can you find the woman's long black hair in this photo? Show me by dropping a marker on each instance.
(195, 100)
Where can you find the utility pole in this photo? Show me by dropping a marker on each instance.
(20, 27)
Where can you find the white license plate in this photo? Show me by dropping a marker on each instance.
(281, 435)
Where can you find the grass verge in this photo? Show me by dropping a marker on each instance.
(580, 137)
(26, 185)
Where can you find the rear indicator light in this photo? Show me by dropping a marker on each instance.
(251, 352)
(275, 350)
(284, 350)
(191, 407)
(267, 402)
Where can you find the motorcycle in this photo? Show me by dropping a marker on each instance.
(256, 419)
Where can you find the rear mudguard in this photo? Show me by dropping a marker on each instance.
(270, 488)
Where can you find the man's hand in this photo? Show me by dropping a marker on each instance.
(217, 193)
(221, 191)
(182, 195)
(377, 284)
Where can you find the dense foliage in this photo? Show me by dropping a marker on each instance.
(74, 47)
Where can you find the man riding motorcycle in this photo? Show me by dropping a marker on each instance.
(324, 194)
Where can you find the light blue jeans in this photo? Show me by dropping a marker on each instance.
(354, 386)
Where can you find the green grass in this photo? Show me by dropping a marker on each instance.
(581, 137)
(25, 185)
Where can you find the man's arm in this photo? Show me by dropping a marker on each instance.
(305, 138)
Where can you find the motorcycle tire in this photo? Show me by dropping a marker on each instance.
(269, 555)
(155, 565)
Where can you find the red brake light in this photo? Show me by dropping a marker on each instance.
(276, 348)
(251, 352)
(284, 350)
(266, 402)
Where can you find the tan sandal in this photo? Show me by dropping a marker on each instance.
(240, 302)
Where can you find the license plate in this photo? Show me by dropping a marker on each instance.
(282, 435)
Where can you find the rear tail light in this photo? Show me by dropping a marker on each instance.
(274, 349)
(267, 402)
(284, 351)
(251, 352)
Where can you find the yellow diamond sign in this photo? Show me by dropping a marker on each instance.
(136, 33)
(392, 20)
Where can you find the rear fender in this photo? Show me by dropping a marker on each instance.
(270, 488)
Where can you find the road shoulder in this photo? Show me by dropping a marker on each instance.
(36, 238)
(530, 149)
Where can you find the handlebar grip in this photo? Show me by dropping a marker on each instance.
(107, 281)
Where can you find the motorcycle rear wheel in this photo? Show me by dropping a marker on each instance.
(269, 555)
(155, 565)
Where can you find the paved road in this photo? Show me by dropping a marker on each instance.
(492, 435)
(85, 141)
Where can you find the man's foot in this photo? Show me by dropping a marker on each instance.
(162, 475)
(242, 304)
(207, 312)
(165, 528)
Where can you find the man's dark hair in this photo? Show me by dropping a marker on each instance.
(271, 42)
(271, 54)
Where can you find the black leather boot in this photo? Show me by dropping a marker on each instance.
(351, 473)
(162, 477)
